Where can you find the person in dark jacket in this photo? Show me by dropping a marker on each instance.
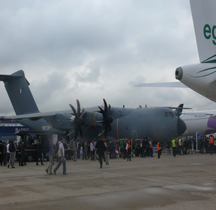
(4, 153)
(1, 152)
(23, 163)
(19, 152)
(39, 151)
(78, 149)
(100, 149)
(125, 149)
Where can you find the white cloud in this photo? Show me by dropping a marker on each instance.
(90, 50)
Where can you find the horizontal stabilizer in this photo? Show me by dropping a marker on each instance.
(8, 77)
(163, 84)
(197, 114)
(178, 108)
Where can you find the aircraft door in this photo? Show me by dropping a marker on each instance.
(134, 135)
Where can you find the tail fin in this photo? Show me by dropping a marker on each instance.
(204, 18)
(19, 93)
(178, 110)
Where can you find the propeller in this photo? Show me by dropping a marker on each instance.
(78, 121)
(107, 120)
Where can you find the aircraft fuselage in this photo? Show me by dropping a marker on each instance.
(156, 123)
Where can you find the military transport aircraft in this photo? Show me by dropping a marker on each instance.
(112, 122)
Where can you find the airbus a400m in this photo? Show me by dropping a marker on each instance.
(112, 122)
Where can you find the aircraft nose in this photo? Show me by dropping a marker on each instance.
(181, 127)
(179, 73)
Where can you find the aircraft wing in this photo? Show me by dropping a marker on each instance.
(38, 115)
(163, 84)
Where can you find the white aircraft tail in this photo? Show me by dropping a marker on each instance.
(204, 18)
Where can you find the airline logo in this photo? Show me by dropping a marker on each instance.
(210, 33)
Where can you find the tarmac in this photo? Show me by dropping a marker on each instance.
(181, 182)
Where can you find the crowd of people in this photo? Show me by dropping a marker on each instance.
(113, 149)
(186, 145)
(101, 150)
(8, 153)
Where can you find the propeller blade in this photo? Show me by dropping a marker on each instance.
(107, 120)
(76, 133)
(102, 111)
(106, 130)
(109, 109)
(81, 132)
(110, 128)
(74, 110)
(78, 121)
(83, 113)
(105, 107)
(78, 107)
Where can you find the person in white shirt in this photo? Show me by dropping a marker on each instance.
(8, 154)
(61, 157)
(92, 150)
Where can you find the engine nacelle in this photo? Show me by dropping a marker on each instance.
(93, 119)
(61, 121)
(200, 78)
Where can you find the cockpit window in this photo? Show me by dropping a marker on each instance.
(169, 114)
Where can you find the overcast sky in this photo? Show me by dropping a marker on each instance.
(95, 49)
